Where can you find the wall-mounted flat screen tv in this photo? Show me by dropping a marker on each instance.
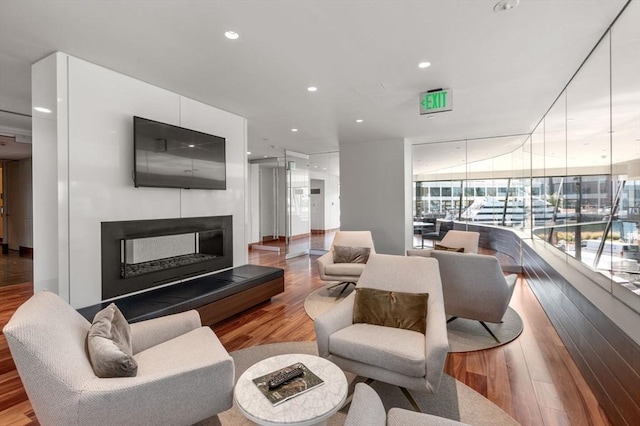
(169, 156)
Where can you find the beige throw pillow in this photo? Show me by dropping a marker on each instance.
(344, 254)
(391, 309)
(109, 344)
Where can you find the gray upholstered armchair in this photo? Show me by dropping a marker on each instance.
(344, 273)
(474, 287)
(184, 373)
(468, 240)
(367, 410)
(405, 358)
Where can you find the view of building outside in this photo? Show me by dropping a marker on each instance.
(573, 182)
(593, 218)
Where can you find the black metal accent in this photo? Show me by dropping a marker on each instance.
(405, 392)
(412, 401)
(346, 285)
(188, 295)
(490, 332)
(451, 319)
(114, 285)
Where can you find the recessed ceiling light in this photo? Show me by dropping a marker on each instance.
(41, 109)
(231, 35)
(424, 64)
(359, 120)
(248, 152)
(505, 5)
(312, 89)
(294, 130)
(265, 156)
(191, 145)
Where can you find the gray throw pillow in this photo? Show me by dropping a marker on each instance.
(391, 309)
(109, 344)
(445, 248)
(344, 254)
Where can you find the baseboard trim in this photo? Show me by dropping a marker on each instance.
(26, 252)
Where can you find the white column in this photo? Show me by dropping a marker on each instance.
(50, 176)
(375, 192)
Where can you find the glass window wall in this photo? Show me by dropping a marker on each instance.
(574, 182)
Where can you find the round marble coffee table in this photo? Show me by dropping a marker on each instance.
(309, 408)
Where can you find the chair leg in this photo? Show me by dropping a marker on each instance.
(346, 285)
(412, 401)
(483, 324)
(405, 392)
(490, 332)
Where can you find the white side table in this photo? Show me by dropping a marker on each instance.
(310, 408)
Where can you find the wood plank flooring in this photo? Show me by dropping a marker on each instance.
(532, 378)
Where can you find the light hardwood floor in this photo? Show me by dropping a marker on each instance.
(532, 378)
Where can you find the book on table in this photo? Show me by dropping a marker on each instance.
(287, 390)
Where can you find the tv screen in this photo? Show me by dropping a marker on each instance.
(169, 156)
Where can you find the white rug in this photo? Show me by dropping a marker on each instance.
(453, 400)
(464, 335)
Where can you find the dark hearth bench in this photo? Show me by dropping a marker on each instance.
(216, 297)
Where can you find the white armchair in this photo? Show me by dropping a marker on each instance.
(344, 273)
(184, 373)
(405, 358)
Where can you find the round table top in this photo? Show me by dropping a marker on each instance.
(311, 407)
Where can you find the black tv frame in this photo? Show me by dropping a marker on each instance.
(182, 137)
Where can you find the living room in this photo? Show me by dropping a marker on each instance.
(94, 107)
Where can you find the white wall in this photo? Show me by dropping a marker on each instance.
(253, 208)
(300, 202)
(331, 199)
(267, 209)
(50, 176)
(97, 111)
(375, 192)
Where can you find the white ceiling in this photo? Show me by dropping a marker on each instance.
(505, 69)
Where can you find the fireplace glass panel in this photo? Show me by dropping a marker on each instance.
(144, 255)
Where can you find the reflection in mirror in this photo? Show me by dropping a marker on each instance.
(579, 170)
(549, 217)
(469, 181)
(297, 204)
(625, 153)
(439, 170)
(324, 171)
(270, 185)
(588, 186)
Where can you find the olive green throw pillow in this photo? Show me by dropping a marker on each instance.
(445, 248)
(109, 344)
(344, 254)
(391, 309)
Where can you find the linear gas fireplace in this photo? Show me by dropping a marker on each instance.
(142, 254)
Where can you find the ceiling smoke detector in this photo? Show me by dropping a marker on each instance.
(504, 5)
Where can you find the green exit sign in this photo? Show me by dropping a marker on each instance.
(436, 101)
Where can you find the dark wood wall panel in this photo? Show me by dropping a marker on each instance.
(606, 356)
(501, 240)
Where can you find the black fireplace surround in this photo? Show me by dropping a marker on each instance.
(213, 238)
